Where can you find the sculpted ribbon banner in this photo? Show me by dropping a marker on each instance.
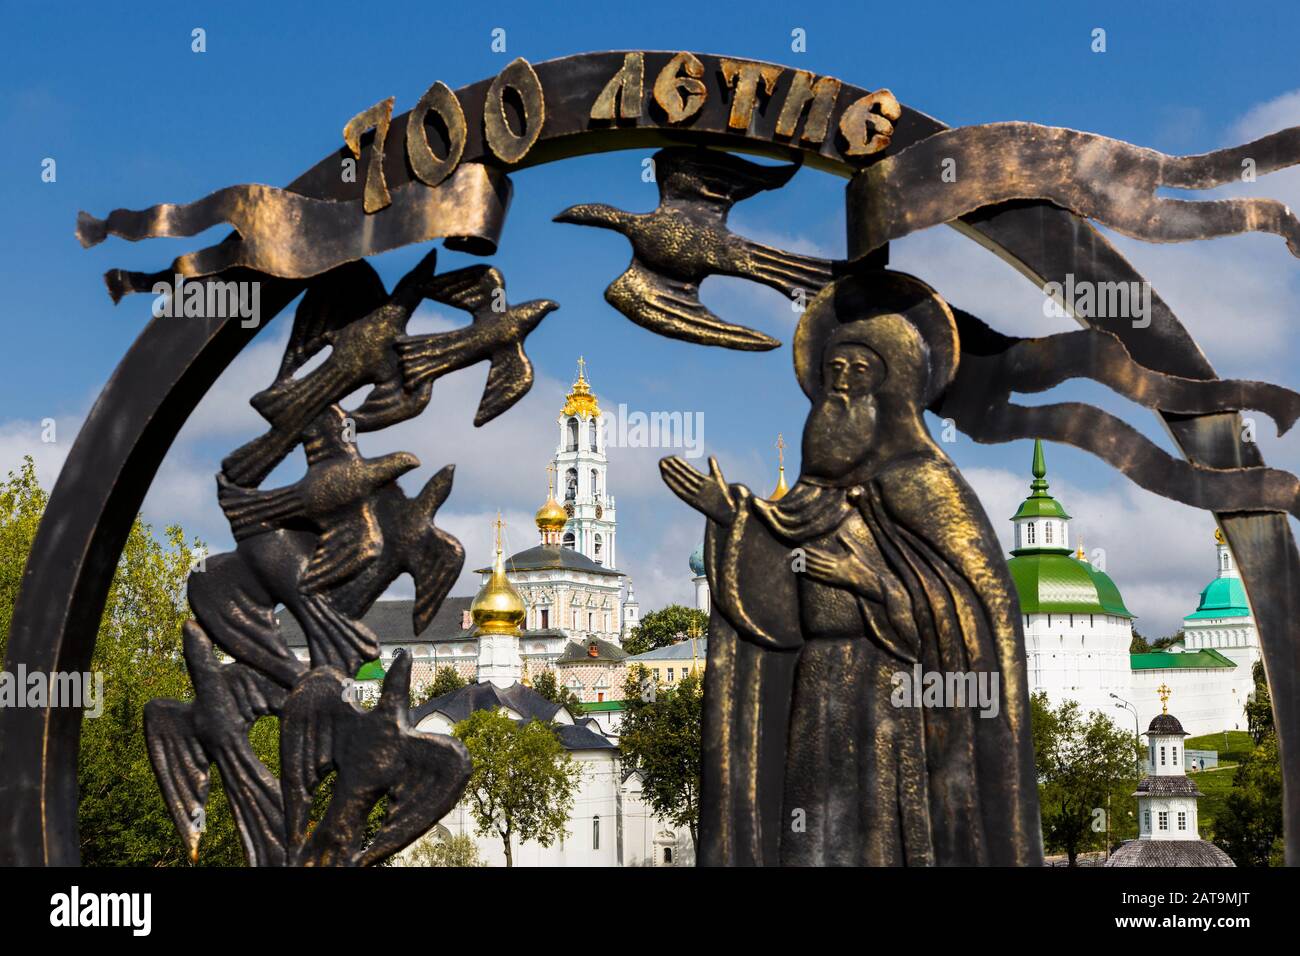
(1098, 178)
(880, 558)
(292, 236)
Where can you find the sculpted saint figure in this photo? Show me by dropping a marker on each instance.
(879, 566)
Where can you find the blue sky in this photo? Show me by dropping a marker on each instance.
(132, 117)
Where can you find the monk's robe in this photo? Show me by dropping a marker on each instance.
(806, 759)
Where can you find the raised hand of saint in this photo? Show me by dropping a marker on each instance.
(707, 494)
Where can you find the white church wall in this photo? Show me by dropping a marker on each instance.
(597, 798)
(647, 837)
(1233, 637)
(1080, 657)
(1169, 818)
(1208, 699)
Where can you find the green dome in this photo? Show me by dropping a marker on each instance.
(1222, 597)
(1056, 583)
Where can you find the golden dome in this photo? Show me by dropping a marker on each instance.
(498, 607)
(551, 516)
(1218, 536)
(580, 401)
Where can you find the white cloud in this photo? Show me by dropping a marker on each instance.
(22, 437)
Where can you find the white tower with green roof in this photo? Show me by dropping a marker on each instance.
(1223, 620)
(1077, 629)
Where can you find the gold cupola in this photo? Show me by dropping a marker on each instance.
(498, 607)
(551, 517)
(580, 401)
(781, 487)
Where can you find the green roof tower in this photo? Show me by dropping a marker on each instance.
(1048, 578)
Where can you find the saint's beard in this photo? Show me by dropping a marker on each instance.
(838, 435)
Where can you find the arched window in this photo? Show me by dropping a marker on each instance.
(568, 539)
(596, 549)
(571, 484)
(595, 833)
(1029, 533)
(572, 444)
(1047, 532)
(668, 855)
(595, 483)
(591, 433)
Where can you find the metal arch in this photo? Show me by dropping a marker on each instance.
(172, 365)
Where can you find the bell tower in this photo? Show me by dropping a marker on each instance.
(581, 466)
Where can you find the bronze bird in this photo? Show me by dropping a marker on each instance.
(236, 597)
(497, 333)
(350, 313)
(686, 239)
(376, 753)
(414, 545)
(185, 739)
(333, 497)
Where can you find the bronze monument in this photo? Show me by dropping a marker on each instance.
(878, 563)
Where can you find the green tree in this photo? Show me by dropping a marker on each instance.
(22, 502)
(666, 626)
(660, 738)
(1259, 708)
(549, 687)
(1139, 644)
(445, 680)
(523, 781)
(1087, 767)
(1250, 827)
(122, 818)
(459, 850)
